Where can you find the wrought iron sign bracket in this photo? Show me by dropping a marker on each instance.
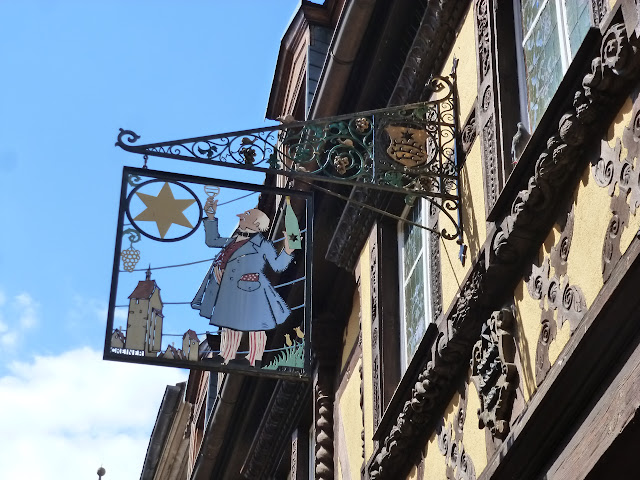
(409, 150)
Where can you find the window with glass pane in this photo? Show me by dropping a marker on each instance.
(414, 280)
(552, 32)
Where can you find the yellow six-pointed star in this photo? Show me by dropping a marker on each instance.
(164, 209)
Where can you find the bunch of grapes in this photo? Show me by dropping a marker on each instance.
(130, 258)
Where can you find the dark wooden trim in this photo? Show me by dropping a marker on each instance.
(401, 439)
(300, 454)
(348, 369)
(403, 390)
(377, 372)
(617, 405)
(388, 307)
(498, 108)
(607, 328)
(396, 386)
(469, 132)
(323, 420)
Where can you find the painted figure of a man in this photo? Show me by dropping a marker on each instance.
(235, 294)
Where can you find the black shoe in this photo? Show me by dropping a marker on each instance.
(240, 362)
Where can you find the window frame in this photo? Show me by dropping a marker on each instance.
(391, 384)
(422, 258)
(566, 54)
(500, 104)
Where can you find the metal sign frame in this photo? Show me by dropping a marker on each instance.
(136, 179)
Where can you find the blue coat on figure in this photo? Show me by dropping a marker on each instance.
(235, 293)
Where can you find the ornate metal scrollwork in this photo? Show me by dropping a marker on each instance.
(409, 149)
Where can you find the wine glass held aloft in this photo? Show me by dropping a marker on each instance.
(210, 207)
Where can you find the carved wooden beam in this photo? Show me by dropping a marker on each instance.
(435, 384)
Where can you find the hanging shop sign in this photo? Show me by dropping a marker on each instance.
(211, 274)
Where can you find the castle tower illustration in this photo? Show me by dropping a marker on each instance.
(144, 323)
(117, 338)
(190, 344)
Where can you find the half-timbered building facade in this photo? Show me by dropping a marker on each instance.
(514, 354)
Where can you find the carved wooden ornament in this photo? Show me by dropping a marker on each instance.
(494, 372)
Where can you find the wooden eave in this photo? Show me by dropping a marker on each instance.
(308, 14)
(160, 435)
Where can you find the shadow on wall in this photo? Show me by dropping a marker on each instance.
(528, 378)
(470, 222)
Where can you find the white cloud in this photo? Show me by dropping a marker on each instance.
(18, 315)
(27, 310)
(67, 415)
(83, 308)
(9, 340)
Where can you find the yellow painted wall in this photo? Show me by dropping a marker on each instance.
(465, 51)
(472, 184)
(350, 334)
(367, 371)
(592, 216)
(351, 414)
(526, 336)
(474, 438)
(351, 419)
(435, 467)
(584, 268)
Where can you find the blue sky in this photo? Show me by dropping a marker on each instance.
(74, 72)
